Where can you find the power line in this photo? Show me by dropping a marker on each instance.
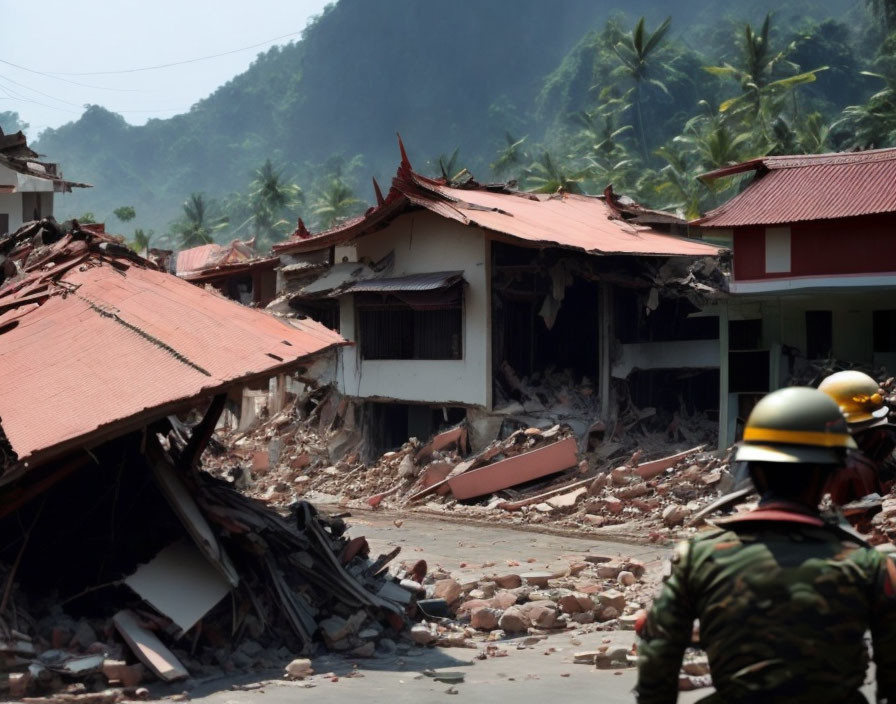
(74, 83)
(174, 63)
(36, 102)
(35, 90)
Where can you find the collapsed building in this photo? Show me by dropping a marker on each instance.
(119, 557)
(480, 303)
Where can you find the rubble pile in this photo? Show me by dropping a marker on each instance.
(599, 592)
(289, 456)
(265, 586)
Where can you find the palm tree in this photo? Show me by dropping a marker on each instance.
(270, 196)
(547, 176)
(141, 240)
(676, 182)
(762, 93)
(712, 140)
(511, 157)
(873, 123)
(335, 202)
(635, 54)
(199, 223)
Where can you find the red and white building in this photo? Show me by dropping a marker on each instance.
(813, 273)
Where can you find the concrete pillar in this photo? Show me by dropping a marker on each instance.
(724, 440)
(604, 342)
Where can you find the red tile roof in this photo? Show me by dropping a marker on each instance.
(587, 223)
(206, 256)
(95, 342)
(809, 187)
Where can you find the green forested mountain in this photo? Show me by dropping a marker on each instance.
(571, 93)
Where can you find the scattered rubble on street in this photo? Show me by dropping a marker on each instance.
(532, 476)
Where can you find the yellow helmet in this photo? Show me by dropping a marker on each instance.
(795, 425)
(859, 397)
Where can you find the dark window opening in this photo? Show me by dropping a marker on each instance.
(325, 311)
(524, 340)
(411, 325)
(819, 334)
(669, 322)
(748, 371)
(676, 390)
(239, 288)
(884, 327)
(745, 334)
(390, 425)
(4, 223)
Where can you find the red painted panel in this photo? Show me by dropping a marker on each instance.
(749, 253)
(861, 245)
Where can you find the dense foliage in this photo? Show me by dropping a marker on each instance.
(511, 90)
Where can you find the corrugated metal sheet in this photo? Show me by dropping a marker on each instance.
(107, 345)
(814, 187)
(584, 223)
(414, 282)
(200, 257)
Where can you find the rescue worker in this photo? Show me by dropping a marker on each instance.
(783, 598)
(869, 469)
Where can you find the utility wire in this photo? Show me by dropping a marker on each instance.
(35, 90)
(74, 83)
(174, 63)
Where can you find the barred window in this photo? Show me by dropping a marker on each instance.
(411, 324)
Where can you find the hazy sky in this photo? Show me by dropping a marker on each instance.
(63, 38)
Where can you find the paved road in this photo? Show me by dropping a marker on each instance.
(529, 674)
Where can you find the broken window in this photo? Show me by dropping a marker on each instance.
(884, 326)
(819, 334)
(411, 324)
(324, 311)
(543, 314)
(748, 365)
(389, 425)
(671, 320)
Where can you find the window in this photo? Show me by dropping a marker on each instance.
(411, 324)
(777, 250)
(884, 326)
(819, 334)
(4, 223)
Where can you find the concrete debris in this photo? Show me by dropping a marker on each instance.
(295, 584)
(650, 493)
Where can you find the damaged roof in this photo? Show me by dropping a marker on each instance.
(94, 341)
(594, 224)
(808, 187)
(212, 255)
(16, 155)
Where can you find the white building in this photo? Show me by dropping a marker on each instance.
(27, 186)
(450, 291)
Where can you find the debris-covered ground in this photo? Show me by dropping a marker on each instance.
(549, 476)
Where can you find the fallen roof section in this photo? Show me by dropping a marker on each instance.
(808, 187)
(96, 339)
(593, 224)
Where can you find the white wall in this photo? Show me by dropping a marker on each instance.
(424, 243)
(11, 204)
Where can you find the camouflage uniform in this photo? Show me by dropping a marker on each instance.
(783, 600)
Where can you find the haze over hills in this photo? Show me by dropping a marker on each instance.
(446, 76)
